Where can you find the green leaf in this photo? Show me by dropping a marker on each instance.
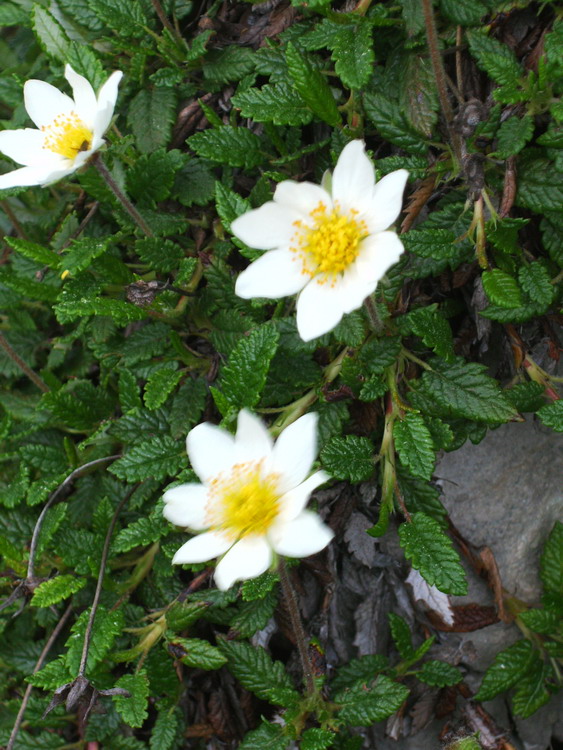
(467, 13)
(414, 445)
(353, 54)
(194, 183)
(349, 457)
(531, 691)
(228, 64)
(312, 86)
(277, 103)
(552, 235)
(160, 385)
(392, 124)
(430, 325)
(165, 730)
(551, 569)
(418, 93)
(56, 589)
(82, 252)
(362, 669)
(11, 15)
(439, 674)
(535, 281)
(129, 394)
(502, 289)
(46, 292)
(401, 634)
(230, 205)
(151, 115)
(187, 407)
(552, 415)
(124, 17)
(139, 534)
(35, 252)
(463, 389)
(513, 135)
(540, 186)
(68, 309)
(53, 675)
(266, 737)
(526, 396)
(79, 404)
(133, 710)
(49, 33)
(254, 615)
(439, 244)
(509, 666)
(365, 703)
(431, 552)
(244, 376)
(373, 388)
(183, 614)
(198, 653)
(495, 58)
(316, 739)
(256, 671)
(157, 457)
(258, 588)
(541, 620)
(150, 180)
(237, 147)
(107, 626)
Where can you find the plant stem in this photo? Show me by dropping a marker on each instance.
(373, 315)
(297, 625)
(17, 360)
(100, 165)
(99, 584)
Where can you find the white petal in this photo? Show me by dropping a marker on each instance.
(248, 558)
(107, 97)
(32, 176)
(267, 227)
(84, 96)
(252, 441)
(387, 200)
(295, 451)
(186, 505)
(211, 450)
(201, 548)
(275, 274)
(377, 254)
(25, 146)
(353, 177)
(293, 502)
(305, 535)
(44, 102)
(318, 310)
(301, 197)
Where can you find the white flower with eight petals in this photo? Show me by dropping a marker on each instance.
(252, 498)
(327, 242)
(70, 130)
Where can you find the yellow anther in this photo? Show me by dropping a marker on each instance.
(67, 135)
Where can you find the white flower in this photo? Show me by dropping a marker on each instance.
(325, 241)
(251, 499)
(70, 130)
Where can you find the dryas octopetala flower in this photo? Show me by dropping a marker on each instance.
(325, 241)
(70, 130)
(252, 497)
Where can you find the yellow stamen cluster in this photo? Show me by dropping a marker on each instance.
(330, 243)
(67, 135)
(246, 501)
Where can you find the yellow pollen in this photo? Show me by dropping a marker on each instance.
(246, 501)
(331, 243)
(67, 135)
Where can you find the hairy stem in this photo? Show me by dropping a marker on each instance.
(100, 165)
(17, 360)
(297, 625)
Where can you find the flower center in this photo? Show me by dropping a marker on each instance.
(67, 135)
(246, 501)
(331, 244)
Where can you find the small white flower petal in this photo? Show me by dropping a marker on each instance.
(318, 309)
(107, 97)
(211, 450)
(301, 197)
(305, 535)
(25, 146)
(353, 177)
(44, 102)
(248, 558)
(253, 441)
(267, 227)
(36, 175)
(378, 253)
(85, 101)
(294, 501)
(186, 505)
(277, 273)
(201, 548)
(387, 200)
(295, 450)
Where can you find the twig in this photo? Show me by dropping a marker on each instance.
(98, 162)
(17, 360)
(159, 10)
(99, 584)
(46, 648)
(15, 223)
(298, 630)
(39, 523)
